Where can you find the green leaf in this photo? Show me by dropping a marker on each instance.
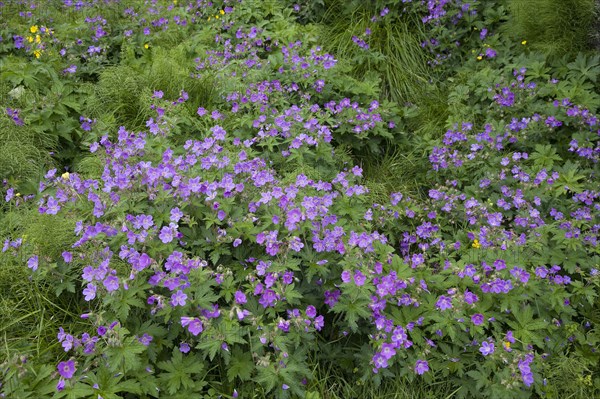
(240, 366)
(125, 357)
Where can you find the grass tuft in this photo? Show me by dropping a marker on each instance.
(554, 27)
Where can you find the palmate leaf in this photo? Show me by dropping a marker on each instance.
(526, 328)
(210, 347)
(584, 68)
(110, 384)
(241, 365)
(125, 357)
(178, 372)
(267, 377)
(353, 311)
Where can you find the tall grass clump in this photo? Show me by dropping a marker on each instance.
(23, 152)
(33, 308)
(394, 53)
(394, 171)
(170, 71)
(118, 93)
(554, 27)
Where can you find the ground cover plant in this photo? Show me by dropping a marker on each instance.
(298, 199)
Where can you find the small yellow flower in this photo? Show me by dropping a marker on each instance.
(65, 176)
(524, 42)
(217, 16)
(479, 58)
(38, 39)
(146, 46)
(476, 244)
(30, 39)
(208, 19)
(175, 2)
(222, 12)
(33, 29)
(17, 194)
(507, 344)
(37, 53)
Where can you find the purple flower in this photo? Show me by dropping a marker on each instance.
(444, 302)
(67, 256)
(240, 298)
(346, 276)
(166, 234)
(111, 283)
(184, 347)
(490, 52)
(359, 278)
(52, 206)
(319, 322)
(71, 69)
(477, 319)
(66, 369)
(193, 324)
(421, 367)
(487, 348)
(32, 263)
(178, 299)
(19, 41)
(89, 292)
(176, 215)
(145, 339)
(10, 193)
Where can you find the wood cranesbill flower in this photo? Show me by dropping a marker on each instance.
(421, 367)
(66, 369)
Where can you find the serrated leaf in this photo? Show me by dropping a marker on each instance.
(240, 366)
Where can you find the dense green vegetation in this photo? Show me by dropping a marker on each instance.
(312, 198)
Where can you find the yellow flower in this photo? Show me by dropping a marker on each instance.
(222, 12)
(37, 53)
(146, 46)
(476, 244)
(174, 1)
(524, 42)
(208, 19)
(30, 39)
(33, 29)
(18, 194)
(65, 176)
(479, 58)
(38, 39)
(217, 16)
(507, 344)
